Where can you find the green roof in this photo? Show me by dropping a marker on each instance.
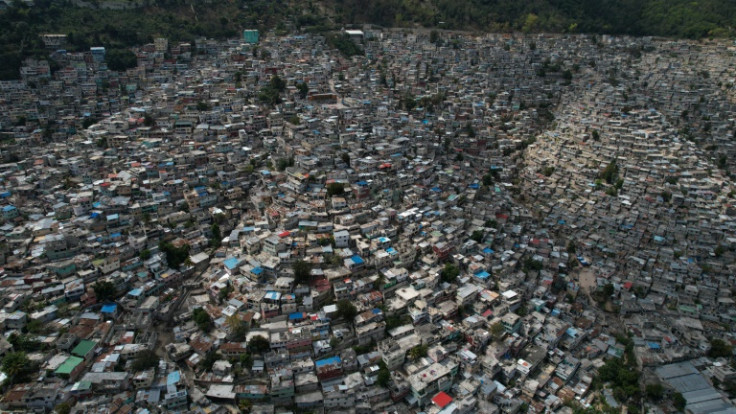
(83, 348)
(68, 366)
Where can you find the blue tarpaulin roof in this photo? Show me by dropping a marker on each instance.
(109, 308)
(357, 259)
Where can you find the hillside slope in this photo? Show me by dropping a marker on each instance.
(21, 25)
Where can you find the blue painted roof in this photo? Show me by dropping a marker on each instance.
(296, 315)
(231, 263)
(488, 250)
(257, 270)
(357, 259)
(109, 308)
(8, 208)
(173, 378)
(328, 361)
(482, 274)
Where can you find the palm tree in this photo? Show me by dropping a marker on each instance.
(14, 364)
(417, 352)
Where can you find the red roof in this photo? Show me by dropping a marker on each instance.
(441, 399)
(284, 234)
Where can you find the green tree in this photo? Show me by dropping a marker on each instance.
(531, 265)
(719, 250)
(175, 256)
(449, 273)
(679, 401)
(34, 326)
(25, 343)
(259, 344)
(148, 120)
(434, 36)
(209, 360)
(238, 328)
(335, 189)
(246, 360)
(145, 360)
(654, 391)
(720, 349)
(105, 291)
(477, 236)
(419, 351)
(344, 44)
(271, 93)
(302, 271)
(202, 319)
(384, 377)
(63, 408)
(303, 89)
(346, 310)
(216, 240)
(497, 331)
(120, 59)
(610, 173)
(16, 366)
(145, 254)
(608, 290)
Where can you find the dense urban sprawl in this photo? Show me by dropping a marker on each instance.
(437, 223)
